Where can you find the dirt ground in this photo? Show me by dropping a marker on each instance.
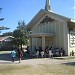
(36, 66)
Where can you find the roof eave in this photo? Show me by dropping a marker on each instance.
(35, 18)
(43, 12)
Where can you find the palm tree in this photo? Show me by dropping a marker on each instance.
(2, 27)
(1, 18)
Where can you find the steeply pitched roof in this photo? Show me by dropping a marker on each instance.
(41, 13)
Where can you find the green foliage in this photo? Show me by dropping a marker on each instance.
(17, 34)
(4, 28)
(20, 34)
(8, 34)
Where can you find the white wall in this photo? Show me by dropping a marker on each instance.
(59, 27)
(70, 46)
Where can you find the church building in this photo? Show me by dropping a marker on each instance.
(50, 29)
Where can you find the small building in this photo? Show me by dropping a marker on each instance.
(6, 43)
(50, 29)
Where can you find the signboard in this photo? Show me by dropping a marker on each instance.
(72, 39)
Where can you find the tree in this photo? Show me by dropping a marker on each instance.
(2, 27)
(20, 34)
(22, 28)
(18, 37)
(8, 34)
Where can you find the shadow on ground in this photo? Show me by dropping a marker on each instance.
(70, 63)
(7, 57)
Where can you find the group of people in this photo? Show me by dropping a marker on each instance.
(49, 52)
(14, 54)
(41, 53)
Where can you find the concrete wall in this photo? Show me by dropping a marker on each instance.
(59, 27)
(70, 46)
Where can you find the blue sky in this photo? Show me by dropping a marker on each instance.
(15, 10)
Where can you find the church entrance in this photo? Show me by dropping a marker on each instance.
(49, 41)
(44, 41)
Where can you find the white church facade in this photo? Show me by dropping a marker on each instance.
(51, 29)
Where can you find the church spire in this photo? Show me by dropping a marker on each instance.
(47, 6)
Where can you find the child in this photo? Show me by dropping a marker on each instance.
(20, 54)
(37, 53)
(13, 55)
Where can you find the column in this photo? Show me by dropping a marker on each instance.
(43, 42)
(30, 45)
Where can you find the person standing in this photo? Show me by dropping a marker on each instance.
(46, 52)
(13, 55)
(40, 50)
(20, 54)
(50, 52)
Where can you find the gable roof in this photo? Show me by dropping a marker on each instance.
(41, 13)
(5, 37)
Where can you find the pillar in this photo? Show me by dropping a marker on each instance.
(43, 42)
(30, 45)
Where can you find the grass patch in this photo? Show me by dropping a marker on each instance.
(13, 69)
(41, 69)
(58, 69)
(5, 52)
